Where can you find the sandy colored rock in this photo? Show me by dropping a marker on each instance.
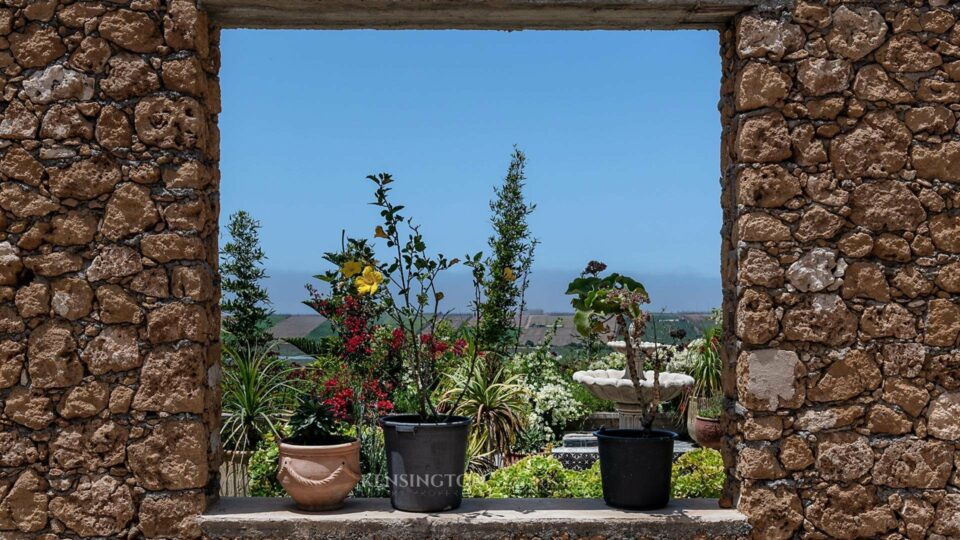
(54, 264)
(30, 409)
(185, 75)
(10, 321)
(756, 319)
(185, 27)
(760, 269)
(128, 76)
(891, 247)
(36, 46)
(935, 119)
(194, 282)
(117, 306)
(885, 420)
(114, 262)
(113, 129)
(947, 521)
(172, 516)
(824, 189)
(85, 179)
(129, 211)
(84, 401)
(757, 37)
(172, 380)
(843, 456)
(821, 318)
(57, 83)
(172, 456)
(25, 504)
(846, 378)
(10, 264)
(17, 450)
(190, 174)
(169, 124)
(846, 513)
(18, 164)
(943, 417)
(828, 418)
(939, 91)
(760, 85)
(856, 32)
(71, 298)
(903, 359)
(890, 320)
(131, 30)
(23, 202)
(909, 397)
(808, 149)
(769, 379)
(905, 53)
(154, 282)
(875, 148)
(819, 76)
(98, 507)
(945, 232)
(913, 463)
(52, 356)
(167, 247)
(795, 454)
(886, 206)
(948, 278)
(942, 323)
(940, 162)
(176, 321)
(814, 271)
(872, 83)
(91, 56)
(761, 227)
(911, 282)
(866, 280)
(818, 223)
(763, 139)
(18, 122)
(120, 400)
(89, 446)
(774, 513)
(11, 363)
(191, 216)
(759, 463)
(114, 349)
(763, 428)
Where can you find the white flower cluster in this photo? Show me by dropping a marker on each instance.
(553, 403)
(613, 360)
(685, 360)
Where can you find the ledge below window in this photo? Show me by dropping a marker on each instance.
(255, 517)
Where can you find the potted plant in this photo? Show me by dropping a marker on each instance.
(319, 465)
(635, 464)
(706, 424)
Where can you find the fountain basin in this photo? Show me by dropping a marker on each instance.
(615, 385)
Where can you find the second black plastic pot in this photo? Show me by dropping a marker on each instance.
(635, 467)
(425, 462)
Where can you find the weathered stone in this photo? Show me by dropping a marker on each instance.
(892, 248)
(941, 161)
(948, 278)
(169, 247)
(130, 211)
(761, 227)
(774, 513)
(866, 280)
(947, 521)
(172, 516)
(905, 53)
(74, 228)
(128, 76)
(64, 121)
(829, 418)
(819, 76)
(890, 320)
(763, 139)
(10, 264)
(37, 46)
(113, 129)
(117, 306)
(918, 514)
(85, 179)
(935, 119)
(114, 349)
(172, 456)
(18, 122)
(25, 505)
(28, 408)
(185, 75)
(818, 223)
(114, 262)
(944, 369)
(943, 417)
(91, 56)
(814, 271)
(769, 379)
(760, 85)
(23, 202)
(89, 446)
(808, 149)
(873, 84)
(907, 396)
(84, 401)
(826, 108)
(843, 456)
(54, 264)
(903, 359)
(194, 282)
(52, 356)
(10, 321)
(71, 298)
(57, 83)
(759, 38)
(945, 232)
(824, 189)
(191, 174)
(912, 283)
(759, 463)
(18, 164)
(17, 450)
(876, 148)
(846, 513)
(169, 124)
(185, 27)
(760, 269)
(192, 216)
(943, 323)
(886, 206)
(11, 363)
(120, 399)
(821, 318)
(176, 321)
(762, 428)
(172, 380)
(887, 421)
(912, 463)
(154, 283)
(756, 318)
(846, 378)
(131, 30)
(856, 32)
(939, 91)
(795, 454)
(98, 507)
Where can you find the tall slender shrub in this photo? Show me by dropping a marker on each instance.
(245, 304)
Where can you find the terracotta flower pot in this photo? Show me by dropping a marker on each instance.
(706, 432)
(319, 477)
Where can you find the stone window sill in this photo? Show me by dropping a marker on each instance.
(255, 517)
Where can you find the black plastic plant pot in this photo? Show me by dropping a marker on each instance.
(425, 461)
(635, 467)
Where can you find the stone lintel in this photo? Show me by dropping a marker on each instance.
(257, 517)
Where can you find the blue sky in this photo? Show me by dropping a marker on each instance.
(621, 131)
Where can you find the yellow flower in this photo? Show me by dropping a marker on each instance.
(380, 233)
(508, 274)
(351, 269)
(369, 282)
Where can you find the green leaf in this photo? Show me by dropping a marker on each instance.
(583, 322)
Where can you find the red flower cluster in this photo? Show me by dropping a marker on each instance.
(340, 398)
(436, 346)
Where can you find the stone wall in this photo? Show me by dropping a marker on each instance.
(842, 267)
(108, 235)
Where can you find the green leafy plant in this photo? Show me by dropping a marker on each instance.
(534, 476)
(314, 347)
(245, 302)
(314, 423)
(711, 407)
(257, 396)
(698, 473)
(373, 464)
(262, 469)
(512, 248)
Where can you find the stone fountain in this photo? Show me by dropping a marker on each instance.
(615, 385)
